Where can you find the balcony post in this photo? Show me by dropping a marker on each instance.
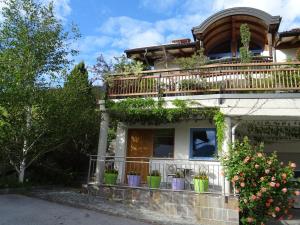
(270, 44)
(102, 144)
(225, 148)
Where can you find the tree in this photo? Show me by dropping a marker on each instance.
(34, 51)
(245, 39)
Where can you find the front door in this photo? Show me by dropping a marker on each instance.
(139, 149)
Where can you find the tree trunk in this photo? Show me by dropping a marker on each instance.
(25, 147)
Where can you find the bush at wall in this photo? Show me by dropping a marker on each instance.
(263, 183)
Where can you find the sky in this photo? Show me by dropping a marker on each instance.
(109, 27)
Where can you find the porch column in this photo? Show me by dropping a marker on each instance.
(270, 44)
(225, 149)
(102, 146)
(120, 151)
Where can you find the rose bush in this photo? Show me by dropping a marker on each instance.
(263, 183)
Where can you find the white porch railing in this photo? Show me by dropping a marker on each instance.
(167, 168)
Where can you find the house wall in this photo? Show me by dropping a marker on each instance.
(282, 55)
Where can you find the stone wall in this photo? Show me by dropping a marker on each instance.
(204, 209)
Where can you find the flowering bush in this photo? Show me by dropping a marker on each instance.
(263, 183)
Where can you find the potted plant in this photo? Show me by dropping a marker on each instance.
(134, 179)
(178, 181)
(154, 179)
(201, 182)
(110, 176)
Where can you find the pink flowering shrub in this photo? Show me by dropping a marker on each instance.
(262, 182)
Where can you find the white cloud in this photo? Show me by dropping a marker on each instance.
(62, 7)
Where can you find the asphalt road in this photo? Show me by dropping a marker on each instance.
(22, 210)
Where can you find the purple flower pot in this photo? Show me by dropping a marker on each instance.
(178, 184)
(134, 180)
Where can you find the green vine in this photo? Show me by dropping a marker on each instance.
(150, 111)
(219, 120)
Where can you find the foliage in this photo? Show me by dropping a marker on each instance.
(202, 175)
(245, 33)
(134, 173)
(192, 84)
(111, 171)
(179, 175)
(196, 60)
(263, 183)
(155, 173)
(121, 65)
(138, 110)
(220, 126)
(34, 51)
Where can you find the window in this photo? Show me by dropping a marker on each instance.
(163, 143)
(203, 143)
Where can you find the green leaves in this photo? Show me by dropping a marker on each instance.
(245, 33)
(263, 183)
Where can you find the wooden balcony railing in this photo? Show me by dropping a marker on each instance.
(225, 78)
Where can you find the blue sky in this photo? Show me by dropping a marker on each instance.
(111, 26)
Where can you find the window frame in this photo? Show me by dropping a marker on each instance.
(173, 150)
(191, 157)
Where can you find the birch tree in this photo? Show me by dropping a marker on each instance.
(34, 50)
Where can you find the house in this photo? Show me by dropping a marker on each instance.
(260, 99)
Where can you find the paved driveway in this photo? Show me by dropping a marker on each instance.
(22, 210)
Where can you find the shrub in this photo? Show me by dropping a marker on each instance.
(155, 173)
(111, 171)
(263, 183)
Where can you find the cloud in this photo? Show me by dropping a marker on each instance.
(62, 8)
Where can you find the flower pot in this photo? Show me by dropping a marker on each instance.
(200, 185)
(134, 180)
(153, 181)
(178, 184)
(110, 178)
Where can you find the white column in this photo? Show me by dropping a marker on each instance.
(121, 148)
(102, 146)
(225, 149)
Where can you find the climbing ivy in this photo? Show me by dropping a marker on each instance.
(219, 120)
(150, 111)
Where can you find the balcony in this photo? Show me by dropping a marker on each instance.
(216, 78)
(166, 167)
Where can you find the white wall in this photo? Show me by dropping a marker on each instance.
(282, 55)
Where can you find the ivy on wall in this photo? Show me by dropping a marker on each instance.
(150, 111)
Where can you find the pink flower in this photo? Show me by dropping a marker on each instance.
(297, 193)
(277, 185)
(259, 194)
(267, 171)
(256, 166)
(293, 165)
(236, 177)
(237, 191)
(268, 204)
(277, 209)
(246, 159)
(273, 178)
(283, 176)
(270, 200)
(263, 189)
(222, 173)
(253, 197)
(242, 184)
(259, 154)
(273, 215)
(284, 190)
(272, 184)
(250, 220)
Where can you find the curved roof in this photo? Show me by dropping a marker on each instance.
(271, 21)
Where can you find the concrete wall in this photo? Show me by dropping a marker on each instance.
(282, 55)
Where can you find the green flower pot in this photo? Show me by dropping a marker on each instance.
(200, 185)
(110, 178)
(153, 181)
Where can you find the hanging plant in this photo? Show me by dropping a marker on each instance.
(219, 120)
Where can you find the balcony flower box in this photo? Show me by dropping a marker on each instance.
(178, 182)
(154, 179)
(201, 183)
